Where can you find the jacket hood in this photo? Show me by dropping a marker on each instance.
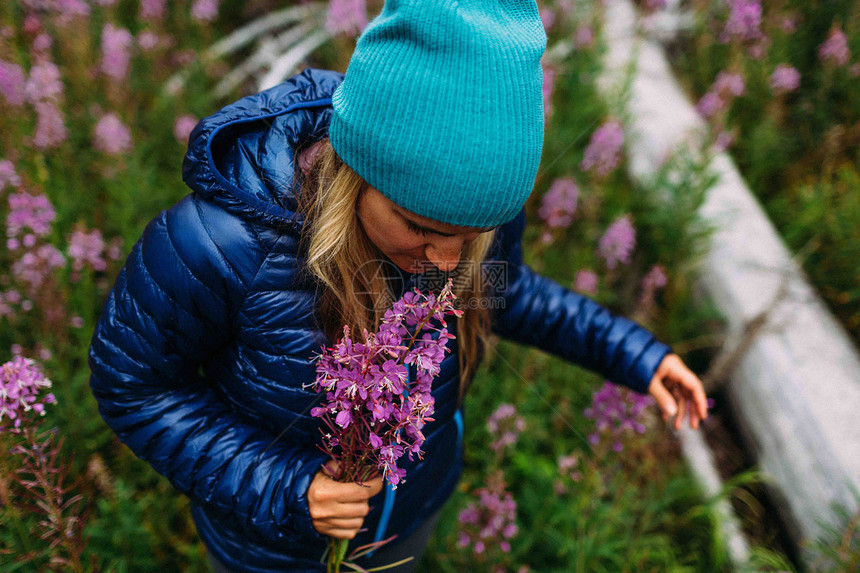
(242, 157)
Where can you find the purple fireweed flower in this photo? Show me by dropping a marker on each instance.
(21, 382)
(835, 49)
(116, 55)
(148, 40)
(51, 128)
(204, 10)
(373, 412)
(744, 20)
(490, 521)
(548, 85)
(153, 9)
(616, 412)
(586, 282)
(558, 205)
(654, 5)
(42, 45)
(87, 250)
(728, 84)
(583, 37)
(8, 175)
(44, 83)
(111, 135)
(348, 17)
(723, 141)
(183, 127)
(604, 149)
(710, 105)
(784, 79)
(12, 82)
(505, 427)
(547, 17)
(34, 267)
(568, 469)
(33, 212)
(652, 282)
(617, 243)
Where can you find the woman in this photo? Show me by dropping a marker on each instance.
(427, 148)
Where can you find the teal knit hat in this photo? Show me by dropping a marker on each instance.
(441, 108)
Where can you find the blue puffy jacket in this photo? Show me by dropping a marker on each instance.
(200, 356)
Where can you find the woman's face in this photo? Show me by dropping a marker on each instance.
(411, 241)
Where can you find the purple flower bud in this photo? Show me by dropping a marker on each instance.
(12, 82)
(116, 43)
(604, 150)
(348, 17)
(558, 205)
(111, 136)
(617, 243)
(183, 127)
(835, 49)
(784, 79)
(204, 10)
(744, 20)
(586, 282)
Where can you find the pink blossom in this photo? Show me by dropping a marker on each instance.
(153, 9)
(835, 49)
(8, 175)
(505, 427)
(76, 322)
(12, 82)
(616, 412)
(617, 243)
(50, 126)
(654, 5)
(728, 84)
(34, 267)
(42, 45)
(723, 141)
(548, 84)
(21, 383)
(183, 127)
(652, 282)
(44, 83)
(148, 40)
(87, 250)
(784, 79)
(111, 135)
(116, 43)
(490, 521)
(586, 282)
(604, 150)
(744, 20)
(368, 384)
(788, 24)
(583, 37)
(710, 105)
(558, 205)
(347, 17)
(205, 10)
(33, 212)
(547, 17)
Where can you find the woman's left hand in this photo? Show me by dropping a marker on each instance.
(678, 392)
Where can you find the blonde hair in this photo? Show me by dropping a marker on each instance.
(339, 254)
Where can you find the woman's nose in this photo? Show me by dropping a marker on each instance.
(445, 256)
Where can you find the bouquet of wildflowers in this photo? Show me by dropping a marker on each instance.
(373, 410)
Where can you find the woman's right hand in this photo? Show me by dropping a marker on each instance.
(338, 509)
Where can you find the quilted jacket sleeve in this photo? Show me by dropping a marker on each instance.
(172, 307)
(540, 312)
